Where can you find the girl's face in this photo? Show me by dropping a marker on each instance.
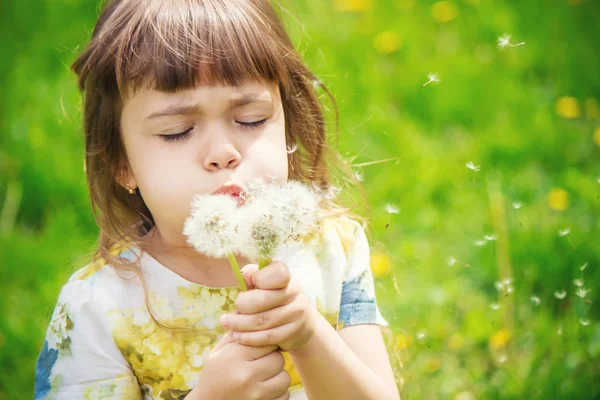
(194, 141)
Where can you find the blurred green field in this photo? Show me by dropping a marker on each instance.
(489, 275)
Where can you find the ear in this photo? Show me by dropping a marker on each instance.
(125, 176)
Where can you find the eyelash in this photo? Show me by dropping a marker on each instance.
(183, 135)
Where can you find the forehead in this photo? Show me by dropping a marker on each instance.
(149, 101)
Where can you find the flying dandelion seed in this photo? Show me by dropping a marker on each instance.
(584, 322)
(421, 334)
(502, 359)
(564, 232)
(582, 292)
(495, 306)
(578, 282)
(499, 286)
(291, 149)
(359, 176)
(316, 83)
(504, 42)
(391, 209)
(491, 237)
(535, 300)
(517, 205)
(583, 266)
(560, 295)
(507, 281)
(451, 261)
(480, 243)
(433, 78)
(473, 167)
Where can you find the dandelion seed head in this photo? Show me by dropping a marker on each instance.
(210, 228)
(560, 295)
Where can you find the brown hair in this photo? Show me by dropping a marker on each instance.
(178, 44)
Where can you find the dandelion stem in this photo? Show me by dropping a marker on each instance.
(236, 270)
(263, 262)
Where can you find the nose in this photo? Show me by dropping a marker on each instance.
(222, 154)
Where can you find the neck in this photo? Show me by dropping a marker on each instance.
(191, 265)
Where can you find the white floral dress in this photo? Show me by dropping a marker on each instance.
(101, 342)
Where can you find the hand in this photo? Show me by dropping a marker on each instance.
(276, 312)
(236, 371)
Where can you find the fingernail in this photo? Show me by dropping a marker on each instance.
(225, 319)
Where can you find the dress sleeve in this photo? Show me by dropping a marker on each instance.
(79, 358)
(358, 303)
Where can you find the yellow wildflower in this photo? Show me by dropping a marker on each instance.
(387, 42)
(568, 107)
(597, 136)
(558, 199)
(380, 264)
(403, 342)
(500, 339)
(353, 5)
(455, 341)
(444, 11)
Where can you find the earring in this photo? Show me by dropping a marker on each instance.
(131, 191)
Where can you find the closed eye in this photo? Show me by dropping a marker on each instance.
(177, 136)
(252, 125)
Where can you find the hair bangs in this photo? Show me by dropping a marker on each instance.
(171, 48)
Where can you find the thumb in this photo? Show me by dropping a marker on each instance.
(225, 340)
(248, 272)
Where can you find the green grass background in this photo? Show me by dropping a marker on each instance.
(529, 116)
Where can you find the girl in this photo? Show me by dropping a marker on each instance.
(200, 96)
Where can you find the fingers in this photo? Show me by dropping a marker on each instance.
(225, 340)
(268, 365)
(277, 386)
(252, 353)
(248, 272)
(267, 337)
(274, 276)
(263, 320)
(255, 301)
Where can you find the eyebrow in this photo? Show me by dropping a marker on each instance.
(196, 109)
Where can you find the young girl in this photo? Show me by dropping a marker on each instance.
(185, 97)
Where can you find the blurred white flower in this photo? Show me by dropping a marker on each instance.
(582, 292)
(535, 300)
(504, 41)
(480, 242)
(560, 295)
(584, 322)
(501, 359)
(491, 237)
(391, 209)
(451, 261)
(472, 166)
(433, 78)
(578, 282)
(421, 334)
(211, 228)
(564, 232)
(495, 306)
(517, 205)
(583, 266)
